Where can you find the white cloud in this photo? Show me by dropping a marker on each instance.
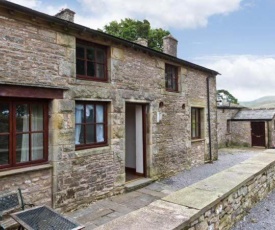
(161, 13)
(246, 77)
(27, 3)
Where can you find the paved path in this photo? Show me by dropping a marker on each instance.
(108, 209)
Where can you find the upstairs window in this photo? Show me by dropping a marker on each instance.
(196, 123)
(91, 61)
(90, 124)
(171, 77)
(23, 133)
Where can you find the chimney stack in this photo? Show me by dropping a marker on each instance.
(66, 14)
(170, 45)
(142, 41)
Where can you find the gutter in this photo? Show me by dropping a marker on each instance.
(208, 118)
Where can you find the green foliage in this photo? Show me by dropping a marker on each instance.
(222, 93)
(131, 30)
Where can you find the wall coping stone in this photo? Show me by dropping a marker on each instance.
(180, 208)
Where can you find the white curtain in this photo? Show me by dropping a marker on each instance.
(99, 127)
(25, 137)
(37, 138)
(78, 114)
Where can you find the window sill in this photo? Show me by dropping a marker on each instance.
(172, 91)
(92, 151)
(24, 170)
(197, 140)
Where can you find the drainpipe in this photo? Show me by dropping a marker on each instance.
(208, 118)
(268, 142)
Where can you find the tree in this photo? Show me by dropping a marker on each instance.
(223, 94)
(131, 30)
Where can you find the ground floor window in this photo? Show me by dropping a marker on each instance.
(196, 123)
(23, 132)
(90, 124)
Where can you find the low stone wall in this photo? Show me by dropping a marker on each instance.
(217, 202)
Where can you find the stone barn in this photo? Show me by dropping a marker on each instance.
(238, 126)
(84, 113)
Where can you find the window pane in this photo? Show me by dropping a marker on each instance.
(91, 54)
(22, 118)
(79, 113)
(4, 118)
(99, 133)
(90, 114)
(37, 117)
(99, 113)
(37, 146)
(91, 69)
(81, 139)
(80, 67)
(90, 134)
(80, 52)
(100, 73)
(79, 134)
(100, 56)
(22, 147)
(4, 150)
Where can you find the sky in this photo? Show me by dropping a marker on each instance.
(234, 37)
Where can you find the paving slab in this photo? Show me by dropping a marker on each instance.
(94, 215)
(194, 198)
(114, 206)
(159, 215)
(152, 192)
(265, 157)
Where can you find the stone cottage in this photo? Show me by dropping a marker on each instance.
(82, 112)
(240, 126)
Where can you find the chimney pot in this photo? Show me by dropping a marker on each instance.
(170, 45)
(142, 41)
(66, 14)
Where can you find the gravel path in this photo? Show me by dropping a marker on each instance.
(262, 216)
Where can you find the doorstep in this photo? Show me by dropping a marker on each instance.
(136, 184)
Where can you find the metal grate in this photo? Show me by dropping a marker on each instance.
(8, 202)
(43, 218)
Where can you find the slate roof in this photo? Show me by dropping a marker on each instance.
(259, 114)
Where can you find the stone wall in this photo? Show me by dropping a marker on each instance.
(225, 137)
(241, 133)
(43, 55)
(230, 210)
(36, 185)
(271, 133)
(215, 203)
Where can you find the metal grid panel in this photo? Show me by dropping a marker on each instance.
(9, 202)
(43, 218)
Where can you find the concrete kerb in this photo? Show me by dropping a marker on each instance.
(182, 207)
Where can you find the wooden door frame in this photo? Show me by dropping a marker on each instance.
(264, 134)
(144, 136)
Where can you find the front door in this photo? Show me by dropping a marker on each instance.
(258, 133)
(135, 156)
